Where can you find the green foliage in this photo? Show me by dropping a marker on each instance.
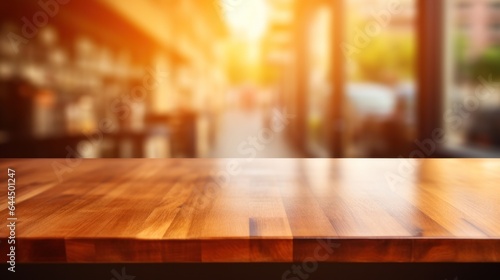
(386, 55)
(460, 47)
(488, 63)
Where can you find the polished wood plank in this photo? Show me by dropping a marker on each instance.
(268, 210)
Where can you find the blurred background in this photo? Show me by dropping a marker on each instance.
(249, 78)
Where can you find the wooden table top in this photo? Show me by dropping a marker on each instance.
(262, 210)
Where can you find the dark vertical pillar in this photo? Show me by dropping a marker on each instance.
(338, 79)
(430, 66)
(300, 97)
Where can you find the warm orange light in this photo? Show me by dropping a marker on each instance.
(247, 18)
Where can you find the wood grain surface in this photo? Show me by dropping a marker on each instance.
(261, 210)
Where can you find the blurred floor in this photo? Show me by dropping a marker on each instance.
(236, 127)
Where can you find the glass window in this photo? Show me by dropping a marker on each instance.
(471, 113)
(379, 47)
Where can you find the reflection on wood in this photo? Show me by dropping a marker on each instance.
(266, 210)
